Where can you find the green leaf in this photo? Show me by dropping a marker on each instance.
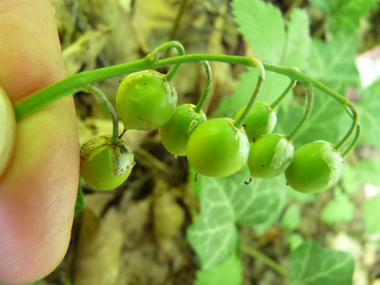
(369, 171)
(291, 218)
(295, 240)
(318, 126)
(343, 15)
(333, 62)
(227, 273)
(79, 205)
(371, 215)
(225, 202)
(263, 28)
(298, 43)
(312, 264)
(293, 195)
(351, 180)
(368, 108)
(338, 210)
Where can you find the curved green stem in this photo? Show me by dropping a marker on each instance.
(80, 81)
(355, 118)
(155, 55)
(239, 122)
(103, 97)
(264, 259)
(291, 85)
(355, 140)
(309, 106)
(203, 99)
(261, 72)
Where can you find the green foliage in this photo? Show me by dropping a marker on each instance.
(226, 202)
(228, 272)
(371, 215)
(80, 204)
(338, 210)
(368, 107)
(291, 218)
(295, 240)
(343, 15)
(312, 264)
(263, 28)
(333, 62)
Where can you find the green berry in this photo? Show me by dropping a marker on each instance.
(176, 133)
(260, 121)
(217, 148)
(269, 156)
(146, 100)
(105, 166)
(316, 167)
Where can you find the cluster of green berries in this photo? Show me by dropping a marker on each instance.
(215, 147)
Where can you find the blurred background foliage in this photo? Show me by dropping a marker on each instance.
(160, 227)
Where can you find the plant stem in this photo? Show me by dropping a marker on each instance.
(80, 81)
(356, 138)
(352, 110)
(239, 122)
(155, 55)
(291, 85)
(178, 20)
(203, 99)
(103, 97)
(309, 106)
(265, 259)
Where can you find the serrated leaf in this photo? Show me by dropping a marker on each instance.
(262, 26)
(298, 41)
(226, 202)
(291, 218)
(368, 108)
(371, 215)
(312, 264)
(334, 61)
(227, 273)
(338, 210)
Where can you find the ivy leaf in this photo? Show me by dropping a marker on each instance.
(312, 264)
(371, 215)
(338, 210)
(227, 273)
(225, 202)
(343, 15)
(368, 108)
(291, 218)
